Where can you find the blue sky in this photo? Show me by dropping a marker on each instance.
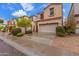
(66, 9)
(9, 11)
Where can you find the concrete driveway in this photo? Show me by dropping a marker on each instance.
(44, 38)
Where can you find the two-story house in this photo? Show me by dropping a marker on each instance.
(49, 19)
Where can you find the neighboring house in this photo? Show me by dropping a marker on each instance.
(4, 23)
(76, 14)
(11, 23)
(74, 11)
(49, 19)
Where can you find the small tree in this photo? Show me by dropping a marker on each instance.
(24, 22)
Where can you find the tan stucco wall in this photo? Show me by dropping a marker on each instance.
(76, 11)
(77, 25)
(33, 26)
(57, 11)
(36, 18)
(77, 19)
(76, 8)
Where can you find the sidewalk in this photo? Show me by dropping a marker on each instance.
(30, 47)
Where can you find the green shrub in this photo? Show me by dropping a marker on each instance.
(4, 30)
(19, 34)
(60, 31)
(1, 27)
(15, 31)
(11, 27)
(69, 30)
(29, 32)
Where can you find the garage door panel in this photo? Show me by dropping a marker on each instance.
(50, 28)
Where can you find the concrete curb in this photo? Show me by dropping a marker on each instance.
(27, 51)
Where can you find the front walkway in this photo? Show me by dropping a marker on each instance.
(55, 45)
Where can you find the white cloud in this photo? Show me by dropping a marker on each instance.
(27, 6)
(19, 13)
(64, 10)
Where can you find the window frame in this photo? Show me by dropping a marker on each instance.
(52, 11)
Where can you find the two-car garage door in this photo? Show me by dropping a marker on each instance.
(47, 28)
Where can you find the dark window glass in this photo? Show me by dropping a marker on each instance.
(52, 11)
(41, 16)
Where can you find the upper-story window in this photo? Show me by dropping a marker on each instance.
(41, 16)
(51, 11)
